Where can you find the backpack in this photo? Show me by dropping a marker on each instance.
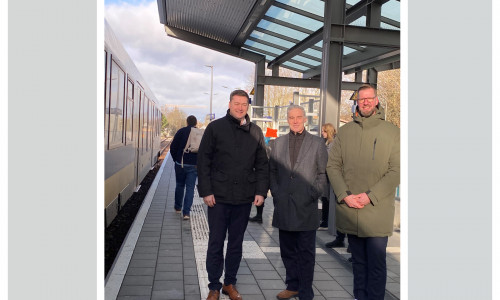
(193, 142)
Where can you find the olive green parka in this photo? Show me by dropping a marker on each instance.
(365, 158)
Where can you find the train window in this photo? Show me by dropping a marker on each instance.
(116, 105)
(129, 129)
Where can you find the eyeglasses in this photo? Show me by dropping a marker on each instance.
(369, 99)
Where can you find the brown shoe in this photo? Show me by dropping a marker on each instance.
(231, 291)
(286, 294)
(213, 295)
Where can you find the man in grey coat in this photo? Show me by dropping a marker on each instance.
(297, 178)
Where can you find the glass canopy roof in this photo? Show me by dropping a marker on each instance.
(287, 23)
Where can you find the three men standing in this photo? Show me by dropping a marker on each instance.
(297, 174)
(233, 172)
(364, 168)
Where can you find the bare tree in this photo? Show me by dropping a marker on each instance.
(176, 119)
(388, 90)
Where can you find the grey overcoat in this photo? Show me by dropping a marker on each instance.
(296, 192)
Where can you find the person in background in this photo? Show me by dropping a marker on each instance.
(297, 173)
(364, 169)
(328, 133)
(185, 169)
(233, 172)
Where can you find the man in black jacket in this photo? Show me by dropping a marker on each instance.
(185, 168)
(233, 173)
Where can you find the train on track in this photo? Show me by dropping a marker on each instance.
(132, 127)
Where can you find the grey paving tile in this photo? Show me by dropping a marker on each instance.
(177, 253)
(192, 297)
(161, 285)
(148, 239)
(189, 279)
(138, 280)
(142, 263)
(271, 294)
(144, 256)
(190, 271)
(336, 294)
(170, 246)
(244, 271)
(168, 259)
(169, 275)
(271, 284)
(322, 276)
(171, 241)
(248, 289)
(256, 261)
(141, 271)
(329, 264)
(191, 289)
(261, 267)
(246, 279)
(131, 290)
(169, 267)
(338, 272)
(167, 295)
(344, 280)
(134, 298)
(266, 274)
(189, 263)
(327, 286)
(145, 249)
(394, 288)
(394, 269)
(253, 297)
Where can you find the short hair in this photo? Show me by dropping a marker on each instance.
(191, 121)
(330, 131)
(239, 93)
(294, 106)
(367, 86)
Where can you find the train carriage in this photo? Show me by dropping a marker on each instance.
(132, 127)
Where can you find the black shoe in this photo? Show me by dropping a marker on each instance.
(256, 219)
(348, 248)
(323, 226)
(335, 244)
(349, 259)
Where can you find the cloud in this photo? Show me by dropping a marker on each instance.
(173, 69)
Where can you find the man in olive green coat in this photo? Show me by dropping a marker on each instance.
(363, 167)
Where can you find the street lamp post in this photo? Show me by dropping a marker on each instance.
(211, 88)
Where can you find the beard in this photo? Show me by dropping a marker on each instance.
(366, 114)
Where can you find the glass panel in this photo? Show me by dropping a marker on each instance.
(391, 10)
(306, 60)
(352, 2)
(348, 50)
(144, 121)
(264, 47)
(316, 7)
(129, 130)
(292, 33)
(116, 99)
(272, 39)
(313, 52)
(361, 21)
(293, 18)
(296, 66)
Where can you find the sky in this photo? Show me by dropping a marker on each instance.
(173, 69)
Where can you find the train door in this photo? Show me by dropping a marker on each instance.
(151, 130)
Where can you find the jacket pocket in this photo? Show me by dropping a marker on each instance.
(219, 176)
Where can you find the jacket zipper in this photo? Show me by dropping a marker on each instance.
(374, 144)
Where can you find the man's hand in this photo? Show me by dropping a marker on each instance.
(209, 200)
(352, 201)
(259, 200)
(362, 199)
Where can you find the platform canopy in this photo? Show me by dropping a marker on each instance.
(308, 36)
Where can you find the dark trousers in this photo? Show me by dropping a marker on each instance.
(298, 252)
(232, 219)
(369, 266)
(184, 178)
(325, 206)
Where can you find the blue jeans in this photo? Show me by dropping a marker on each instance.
(184, 178)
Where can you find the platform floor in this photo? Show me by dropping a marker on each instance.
(163, 256)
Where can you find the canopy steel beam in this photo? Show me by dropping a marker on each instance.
(258, 11)
(298, 11)
(212, 44)
(282, 48)
(298, 48)
(378, 64)
(272, 54)
(302, 83)
(365, 36)
(286, 24)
